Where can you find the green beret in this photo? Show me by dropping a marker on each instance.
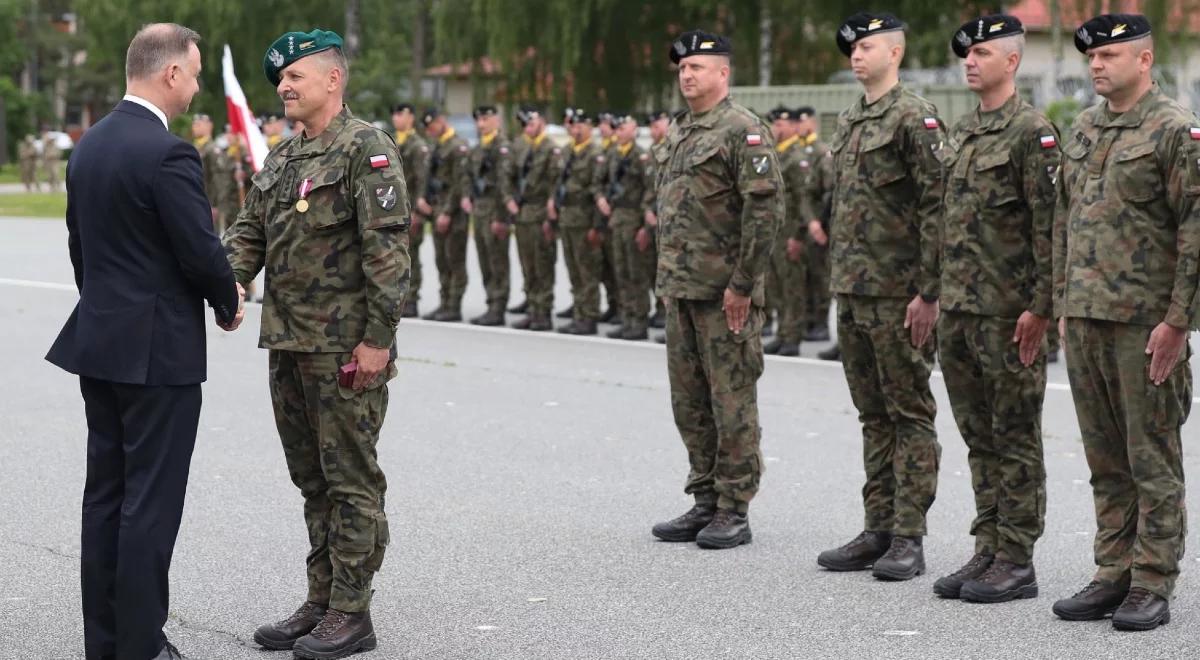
(295, 45)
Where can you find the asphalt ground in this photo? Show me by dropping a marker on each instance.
(525, 471)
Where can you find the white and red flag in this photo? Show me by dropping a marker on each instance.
(241, 119)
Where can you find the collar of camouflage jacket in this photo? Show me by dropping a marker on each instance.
(706, 119)
(860, 111)
(1133, 116)
(302, 146)
(980, 122)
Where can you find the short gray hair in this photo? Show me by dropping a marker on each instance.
(155, 46)
(335, 58)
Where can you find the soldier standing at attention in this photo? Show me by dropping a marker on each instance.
(327, 216)
(659, 121)
(996, 305)
(537, 173)
(887, 209)
(786, 276)
(27, 153)
(211, 161)
(51, 160)
(573, 209)
(813, 240)
(490, 203)
(720, 198)
(627, 201)
(446, 186)
(1126, 253)
(414, 157)
(606, 123)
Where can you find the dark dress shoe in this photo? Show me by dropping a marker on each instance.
(410, 310)
(619, 333)
(1095, 601)
(905, 560)
(1001, 582)
(609, 316)
(687, 526)
(788, 349)
(772, 347)
(523, 308)
(857, 555)
(579, 328)
(282, 635)
(523, 324)
(541, 324)
(833, 353)
(728, 529)
(949, 586)
(168, 652)
(817, 333)
(1142, 610)
(338, 635)
(567, 313)
(658, 321)
(448, 316)
(432, 316)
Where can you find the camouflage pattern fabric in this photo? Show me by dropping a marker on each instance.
(817, 163)
(537, 167)
(414, 158)
(577, 214)
(786, 279)
(491, 177)
(630, 192)
(447, 182)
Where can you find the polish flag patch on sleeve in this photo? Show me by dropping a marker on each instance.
(1048, 141)
(1194, 132)
(753, 139)
(378, 161)
(931, 123)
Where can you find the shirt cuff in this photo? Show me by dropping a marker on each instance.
(379, 335)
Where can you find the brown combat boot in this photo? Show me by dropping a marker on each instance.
(857, 555)
(338, 635)
(282, 635)
(950, 586)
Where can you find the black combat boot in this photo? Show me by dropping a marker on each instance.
(610, 315)
(282, 635)
(772, 347)
(338, 635)
(635, 333)
(1095, 601)
(661, 339)
(788, 349)
(410, 310)
(818, 332)
(687, 526)
(833, 353)
(857, 555)
(728, 529)
(580, 327)
(541, 324)
(1142, 610)
(432, 316)
(1001, 582)
(905, 560)
(448, 315)
(567, 313)
(619, 333)
(659, 320)
(523, 308)
(950, 585)
(493, 317)
(523, 324)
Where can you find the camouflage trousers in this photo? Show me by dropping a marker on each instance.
(997, 402)
(415, 237)
(633, 278)
(889, 383)
(651, 266)
(329, 433)
(1131, 437)
(493, 261)
(816, 290)
(537, 267)
(29, 174)
(714, 396)
(450, 255)
(787, 294)
(608, 273)
(585, 265)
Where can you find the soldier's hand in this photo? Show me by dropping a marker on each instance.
(642, 239)
(795, 249)
(1062, 331)
(443, 223)
(371, 362)
(548, 231)
(604, 207)
(512, 207)
(595, 237)
(466, 205)
(424, 207)
(651, 218)
(1030, 330)
(817, 232)
(737, 309)
(214, 214)
(1165, 346)
(920, 319)
(499, 230)
(551, 209)
(417, 224)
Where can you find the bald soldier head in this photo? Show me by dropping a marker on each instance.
(704, 68)
(1120, 52)
(162, 66)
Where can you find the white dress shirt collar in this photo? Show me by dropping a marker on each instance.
(162, 116)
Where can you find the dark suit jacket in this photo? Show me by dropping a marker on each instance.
(145, 256)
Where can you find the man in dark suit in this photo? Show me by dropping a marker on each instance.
(145, 258)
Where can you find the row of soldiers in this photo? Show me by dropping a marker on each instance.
(597, 197)
(40, 160)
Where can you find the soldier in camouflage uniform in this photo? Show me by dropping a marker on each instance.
(447, 188)
(537, 167)
(606, 122)
(1126, 265)
(51, 161)
(27, 155)
(492, 206)
(887, 207)
(787, 273)
(226, 171)
(414, 156)
(627, 200)
(996, 305)
(327, 216)
(816, 162)
(660, 121)
(211, 161)
(573, 211)
(720, 198)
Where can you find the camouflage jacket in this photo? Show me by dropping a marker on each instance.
(336, 274)
(212, 163)
(575, 197)
(817, 163)
(1127, 225)
(791, 155)
(887, 197)
(489, 169)
(414, 158)
(447, 181)
(658, 154)
(630, 186)
(537, 169)
(720, 200)
(999, 213)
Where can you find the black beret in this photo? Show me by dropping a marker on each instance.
(618, 118)
(528, 112)
(779, 112)
(655, 115)
(804, 112)
(863, 25)
(1108, 29)
(483, 111)
(430, 115)
(401, 107)
(572, 115)
(698, 42)
(984, 28)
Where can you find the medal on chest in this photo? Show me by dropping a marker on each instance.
(306, 187)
